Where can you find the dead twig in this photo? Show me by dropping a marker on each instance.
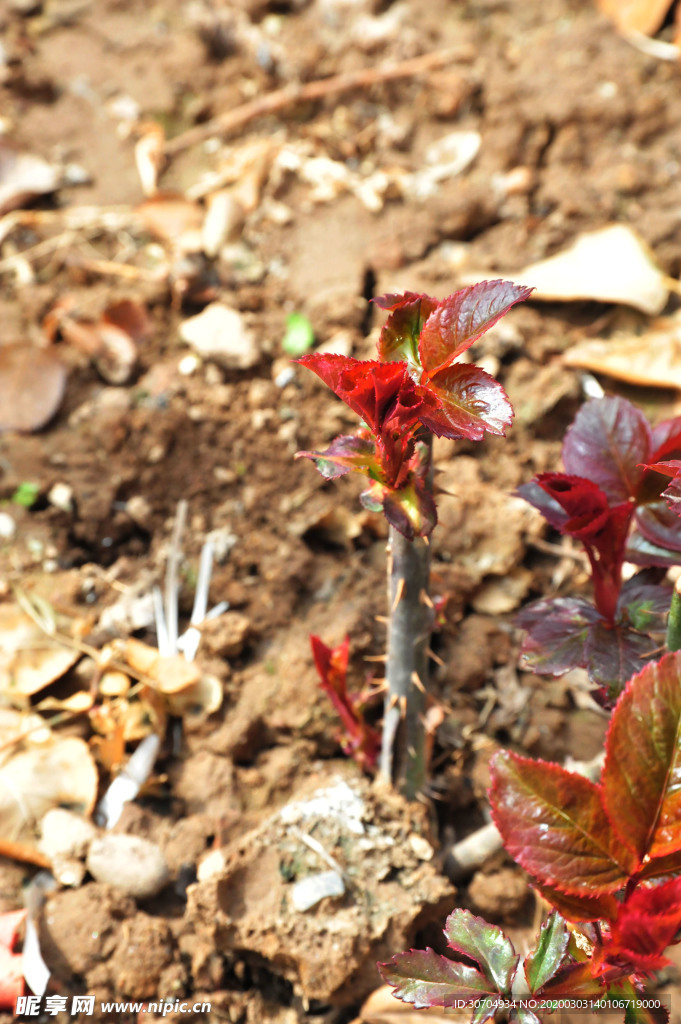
(289, 95)
(24, 853)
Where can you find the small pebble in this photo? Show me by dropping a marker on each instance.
(310, 890)
(7, 526)
(61, 496)
(131, 864)
(65, 834)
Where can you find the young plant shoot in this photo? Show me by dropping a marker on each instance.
(414, 389)
(611, 498)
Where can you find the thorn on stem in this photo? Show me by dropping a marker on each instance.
(375, 657)
(417, 682)
(399, 594)
(394, 701)
(435, 657)
(424, 598)
(402, 701)
(383, 619)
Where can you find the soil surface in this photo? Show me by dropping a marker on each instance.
(317, 207)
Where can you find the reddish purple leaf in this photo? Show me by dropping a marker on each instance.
(462, 318)
(607, 442)
(538, 497)
(469, 402)
(399, 338)
(602, 529)
(660, 526)
(424, 978)
(553, 824)
(347, 452)
(643, 552)
(614, 653)
(666, 440)
(672, 493)
(642, 776)
(557, 633)
(485, 944)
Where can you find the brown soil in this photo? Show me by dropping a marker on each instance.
(578, 129)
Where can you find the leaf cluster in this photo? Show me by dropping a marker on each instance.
(416, 387)
(606, 856)
(611, 498)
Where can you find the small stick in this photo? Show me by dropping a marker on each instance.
(289, 95)
(24, 853)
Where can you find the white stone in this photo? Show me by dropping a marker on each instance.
(220, 333)
(7, 526)
(131, 864)
(60, 496)
(310, 890)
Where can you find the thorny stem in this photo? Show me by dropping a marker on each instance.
(674, 620)
(403, 751)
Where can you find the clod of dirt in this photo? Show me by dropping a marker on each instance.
(328, 950)
(144, 949)
(226, 635)
(499, 896)
(220, 333)
(78, 928)
(133, 865)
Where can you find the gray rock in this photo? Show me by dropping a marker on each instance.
(132, 865)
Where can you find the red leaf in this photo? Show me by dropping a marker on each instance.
(603, 531)
(377, 392)
(425, 978)
(641, 779)
(345, 453)
(468, 403)
(462, 318)
(362, 740)
(579, 908)
(645, 926)
(553, 824)
(607, 442)
(400, 334)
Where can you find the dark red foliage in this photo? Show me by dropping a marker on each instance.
(611, 485)
(361, 740)
(416, 387)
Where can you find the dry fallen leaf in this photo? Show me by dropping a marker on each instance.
(23, 177)
(32, 385)
(110, 341)
(609, 265)
(29, 659)
(41, 771)
(170, 217)
(167, 674)
(149, 155)
(651, 357)
(197, 702)
(646, 16)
